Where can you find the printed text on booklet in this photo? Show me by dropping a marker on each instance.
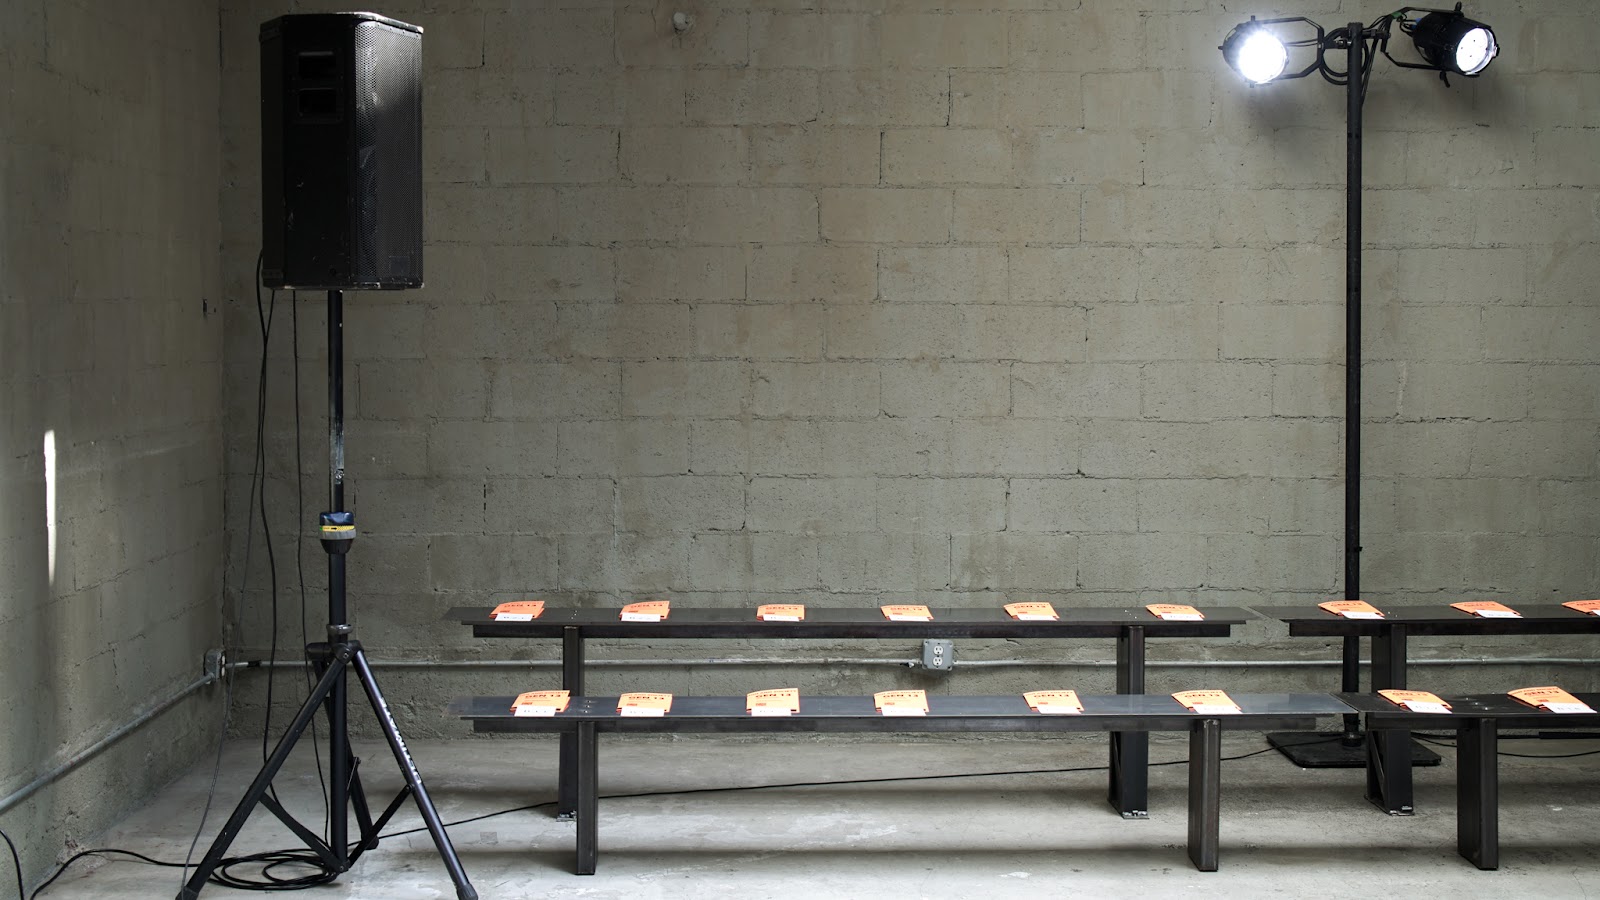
(1352, 609)
(518, 611)
(646, 611)
(1207, 702)
(1416, 701)
(1551, 698)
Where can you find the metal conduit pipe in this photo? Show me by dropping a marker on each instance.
(913, 663)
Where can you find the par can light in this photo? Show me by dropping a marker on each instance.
(1255, 53)
(1455, 43)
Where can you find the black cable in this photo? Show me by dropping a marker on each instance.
(1439, 741)
(264, 315)
(299, 551)
(216, 770)
(101, 852)
(16, 860)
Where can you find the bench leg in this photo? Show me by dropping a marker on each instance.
(1205, 793)
(1478, 793)
(588, 807)
(1128, 788)
(1389, 752)
(571, 680)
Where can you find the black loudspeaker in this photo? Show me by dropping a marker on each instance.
(341, 152)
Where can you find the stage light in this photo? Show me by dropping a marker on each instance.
(1255, 52)
(1455, 43)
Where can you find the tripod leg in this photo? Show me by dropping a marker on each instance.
(258, 788)
(408, 768)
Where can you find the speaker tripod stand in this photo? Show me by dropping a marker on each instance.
(331, 694)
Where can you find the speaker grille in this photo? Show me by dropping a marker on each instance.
(388, 153)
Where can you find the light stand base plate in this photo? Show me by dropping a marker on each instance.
(1327, 750)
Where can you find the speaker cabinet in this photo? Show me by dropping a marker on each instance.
(341, 152)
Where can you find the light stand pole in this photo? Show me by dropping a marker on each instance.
(1449, 43)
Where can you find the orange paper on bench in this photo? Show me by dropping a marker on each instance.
(518, 611)
(1054, 702)
(1036, 612)
(782, 612)
(1592, 607)
(639, 704)
(774, 702)
(1488, 609)
(1352, 609)
(1552, 698)
(646, 611)
(901, 703)
(1206, 701)
(555, 700)
(906, 613)
(1175, 611)
(1413, 699)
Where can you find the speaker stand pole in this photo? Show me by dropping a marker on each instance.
(331, 659)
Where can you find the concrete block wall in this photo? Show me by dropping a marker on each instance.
(878, 300)
(111, 480)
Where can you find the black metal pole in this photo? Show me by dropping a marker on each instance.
(338, 622)
(1356, 67)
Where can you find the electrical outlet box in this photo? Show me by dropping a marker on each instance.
(939, 656)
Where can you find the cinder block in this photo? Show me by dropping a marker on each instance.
(681, 503)
(797, 273)
(929, 331)
(1005, 446)
(621, 447)
(904, 563)
(623, 331)
(549, 505)
(758, 332)
(812, 505)
(1014, 98)
(1057, 505)
(684, 155)
(721, 447)
(490, 214)
(941, 505)
(1417, 449)
(402, 389)
(883, 446)
(522, 390)
(1040, 215)
(1141, 561)
(390, 562)
(455, 154)
(1078, 276)
(780, 446)
(1563, 274)
(1564, 392)
(1122, 215)
(518, 330)
(944, 41)
(1501, 562)
(1201, 505)
(1147, 101)
(623, 562)
(1316, 505)
(1279, 448)
(935, 156)
(1541, 333)
(1481, 276)
(465, 447)
(1410, 217)
(1473, 157)
(1118, 449)
(685, 388)
(805, 390)
(1565, 99)
(390, 331)
(558, 155)
(1095, 38)
(753, 562)
(1309, 332)
(608, 96)
(562, 38)
(809, 39)
(1467, 505)
(878, 98)
(1567, 507)
(1206, 156)
(489, 96)
(556, 273)
(1468, 391)
(1061, 392)
(1275, 562)
(885, 215)
(1391, 329)
(681, 273)
(455, 40)
(944, 275)
(1539, 449)
(752, 97)
(476, 563)
(599, 215)
(646, 37)
(1312, 390)
(815, 155)
(1075, 156)
(948, 390)
(750, 215)
(1144, 331)
(1014, 562)
(1207, 390)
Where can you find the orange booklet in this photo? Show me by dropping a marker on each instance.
(1032, 612)
(1054, 703)
(646, 611)
(1207, 702)
(644, 704)
(1552, 698)
(1416, 701)
(1352, 609)
(905, 613)
(782, 612)
(540, 703)
(775, 702)
(1592, 607)
(901, 703)
(1175, 612)
(518, 611)
(1487, 609)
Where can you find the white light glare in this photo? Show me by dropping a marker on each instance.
(1262, 57)
(1474, 51)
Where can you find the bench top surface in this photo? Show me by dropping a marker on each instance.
(851, 622)
(940, 706)
(1477, 706)
(1436, 619)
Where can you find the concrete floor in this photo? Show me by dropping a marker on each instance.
(1285, 831)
